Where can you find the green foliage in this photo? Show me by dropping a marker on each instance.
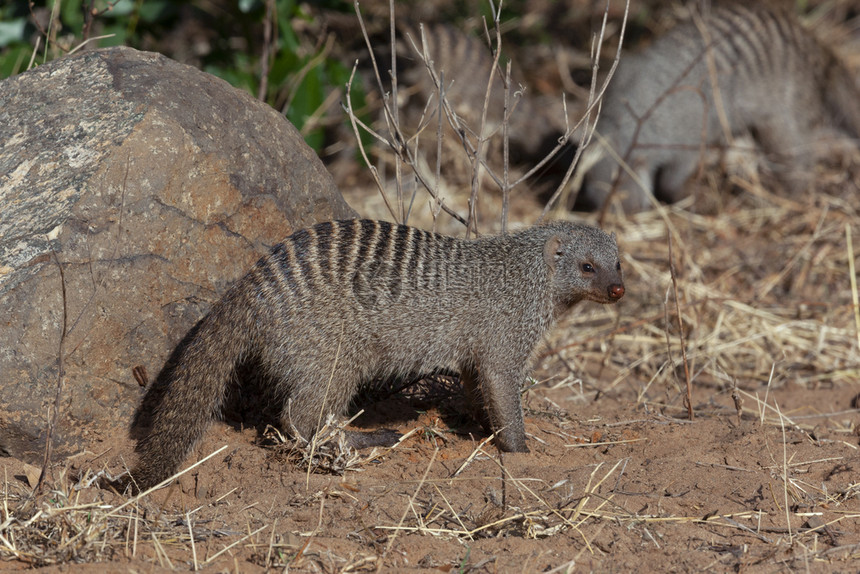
(14, 51)
(14, 59)
(225, 39)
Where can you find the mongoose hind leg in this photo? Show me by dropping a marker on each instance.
(306, 409)
(310, 401)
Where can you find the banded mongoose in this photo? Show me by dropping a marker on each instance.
(775, 81)
(344, 302)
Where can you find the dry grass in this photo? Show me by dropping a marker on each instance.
(781, 312)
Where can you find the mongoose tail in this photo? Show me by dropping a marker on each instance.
(345, 303)
(191, 390)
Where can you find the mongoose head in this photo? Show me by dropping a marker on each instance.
(583, 264)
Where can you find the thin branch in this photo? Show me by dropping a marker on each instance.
(61, 374)
(267, 50)
(689, 397)
(472, 224)
(595, 100)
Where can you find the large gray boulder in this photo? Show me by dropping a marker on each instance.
(153, 185)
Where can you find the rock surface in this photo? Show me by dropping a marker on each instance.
(154, 185)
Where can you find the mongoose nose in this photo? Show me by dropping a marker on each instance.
(616, 291)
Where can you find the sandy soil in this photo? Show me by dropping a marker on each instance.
(612, 484)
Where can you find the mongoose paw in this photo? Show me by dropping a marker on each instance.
(380, 437)
(518, 448)
(509, 445)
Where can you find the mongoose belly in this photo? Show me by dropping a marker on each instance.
(342, 302)
(734, 69)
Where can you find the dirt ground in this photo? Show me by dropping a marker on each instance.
(765, 478)
(614, 482)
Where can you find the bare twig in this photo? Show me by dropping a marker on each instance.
(591, 114)
(852, 276)
(506, 184)
(395, 111)
(472, 222)
(682, 338)
(61, 374)
(265, 56)
(397, 141)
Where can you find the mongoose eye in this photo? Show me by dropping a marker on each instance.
(588, 268)
(618, 266)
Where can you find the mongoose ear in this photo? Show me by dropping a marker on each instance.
(614, 238)
(551, 248)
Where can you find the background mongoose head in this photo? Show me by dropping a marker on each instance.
(584, 264)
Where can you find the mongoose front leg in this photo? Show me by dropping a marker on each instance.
(500, 389)
(786, 146)
(671, 184)
(474, 397)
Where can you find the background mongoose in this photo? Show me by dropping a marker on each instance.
(775, 80)
(341, 303)
(464, 62)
